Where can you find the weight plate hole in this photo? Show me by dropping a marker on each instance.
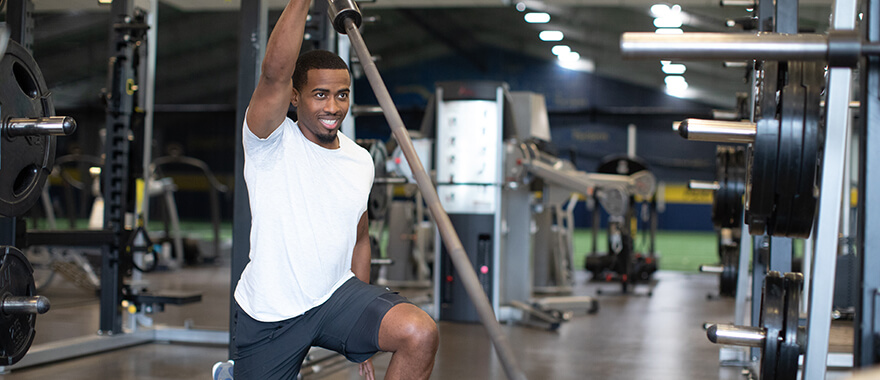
(25, 80)
(24, 180)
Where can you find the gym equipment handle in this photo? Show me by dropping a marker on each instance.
(717, 131)
(40, 126)
(24, 305)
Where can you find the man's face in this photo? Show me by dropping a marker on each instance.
(322, 104)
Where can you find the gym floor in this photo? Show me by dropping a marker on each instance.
(632, 336)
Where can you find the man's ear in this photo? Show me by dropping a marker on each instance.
(294, 97)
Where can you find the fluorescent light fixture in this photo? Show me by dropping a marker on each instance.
(672, 21)
(669, 31)
(585, 65)
(551, 35)
(676, 83)
(571, 56)
(537, 17)
(659, 10)
(674, 69)
(561, 49)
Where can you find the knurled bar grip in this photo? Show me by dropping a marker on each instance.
(444, 224)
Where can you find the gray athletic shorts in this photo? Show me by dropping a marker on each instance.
(347, 323)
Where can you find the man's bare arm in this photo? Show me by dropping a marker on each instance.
(269, 104)
(360, 259)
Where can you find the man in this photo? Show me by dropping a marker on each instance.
(307, 280)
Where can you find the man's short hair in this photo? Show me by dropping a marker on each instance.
(315, 59)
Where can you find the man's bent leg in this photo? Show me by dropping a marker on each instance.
(265, 351)
(411, 335)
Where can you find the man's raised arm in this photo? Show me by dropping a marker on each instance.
(270, 101)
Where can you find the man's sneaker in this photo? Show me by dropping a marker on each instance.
(223, 370)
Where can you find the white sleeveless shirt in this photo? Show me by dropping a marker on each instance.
(305, 202)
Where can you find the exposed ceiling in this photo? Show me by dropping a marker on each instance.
(421, 28)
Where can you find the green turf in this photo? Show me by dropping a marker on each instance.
(677, 250)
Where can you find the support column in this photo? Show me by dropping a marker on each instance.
(252, 46)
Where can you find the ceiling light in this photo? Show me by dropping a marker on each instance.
(669, 31)
(673, 21)
(560, 49)
(674, 68)
(551, 35)
(537, 17)
(659, 10)
(521, 6)
(676, 83)
(571, 56)
(585, 65)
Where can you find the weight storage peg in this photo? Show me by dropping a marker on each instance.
(39, 126)
(779, 337)
(27, 150)
(19, 305)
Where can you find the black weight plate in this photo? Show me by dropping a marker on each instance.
(762, 162)
(16, 279)
(736, 179)
(772, 307)
(25, 162)
(789, 153)
(730, 265)
(789, 351)
(719, 198)
(804, 204)
(377, 204)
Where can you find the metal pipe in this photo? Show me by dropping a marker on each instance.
(718, 131)
(450, 238)
(25, 305)
(746, 336)
(40, 126)
(703, 185)
(725, 46)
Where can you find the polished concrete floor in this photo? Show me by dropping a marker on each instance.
(632, 336)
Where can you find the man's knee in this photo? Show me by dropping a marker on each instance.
(422, 334)
(410, 329)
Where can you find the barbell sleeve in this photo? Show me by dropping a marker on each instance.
(725, 46)
(341, 10)
(746, 336)
(40, 126)
(24, 305)
(717, 131)
(841, 48)
(450, 238)
(703, 185)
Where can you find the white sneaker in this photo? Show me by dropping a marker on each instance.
(223, 370)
